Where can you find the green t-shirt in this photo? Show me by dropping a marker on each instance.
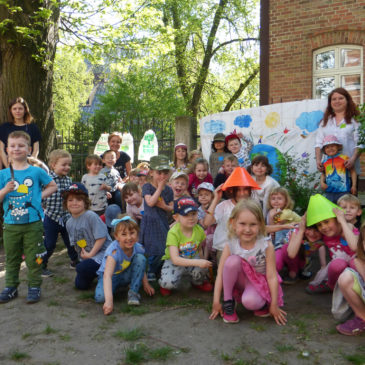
(188, 246)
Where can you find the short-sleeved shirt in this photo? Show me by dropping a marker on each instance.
(188, 246)
(86, 229)
(216, 162)
(112, 177)
(339, 244)
(337, 176)
(221, 215)
(97, 197)
(23, 205)
(120, 164)
(122, 261)
(31, 129)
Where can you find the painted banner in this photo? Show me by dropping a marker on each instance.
(274, 129)
(148, 146)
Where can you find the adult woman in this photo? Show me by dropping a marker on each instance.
(123, 164)
(20, 119)
(338, 120)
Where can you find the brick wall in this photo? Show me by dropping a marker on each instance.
(297, 28)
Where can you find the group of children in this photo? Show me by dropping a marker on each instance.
(184, 221)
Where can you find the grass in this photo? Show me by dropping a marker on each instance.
(61, 280)
(18, 356)
(161, 353)
(141, 354)
(26, 335)
(86, 296)
(65, 337)
(284, 348)
(258, 327)
(301, 327)
(233, 361)
(53, 303)
(133, 310)
(356, 359)
(49, 330)
(131, 335)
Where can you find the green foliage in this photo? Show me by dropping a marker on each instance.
(361, 119)
(297, 179)
(131, 335)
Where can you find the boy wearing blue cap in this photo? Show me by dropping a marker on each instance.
(183, 251)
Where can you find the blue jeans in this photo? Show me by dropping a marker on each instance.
(86, 273)
(132, 276)
(154, 264)
(51, 231)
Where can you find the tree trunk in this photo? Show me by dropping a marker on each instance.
(21, 74)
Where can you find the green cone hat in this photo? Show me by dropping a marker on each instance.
(319, 209)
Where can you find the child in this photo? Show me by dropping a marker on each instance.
(219, 152)
(180, 163)
(238, 186)
(193, 155)
(123, 265)
(352, 285)
(55, 216)
(230, 162)
(200, 174)
(21, 193)
(133, 175)
(179, 182)
(247, 269)
(88, 234)
(96, 184)
(158, 201)
(261, 170)
(242, 152)
(352, 207)
(335, 180)
(142, 177)
(183, 252)
(132, 195)
(339, 237)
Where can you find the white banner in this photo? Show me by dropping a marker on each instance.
(148, 146)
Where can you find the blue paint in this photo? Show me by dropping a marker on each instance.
(309, 121)
(214, 126)
(243, 121)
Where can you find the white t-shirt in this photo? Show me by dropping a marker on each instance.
(262, 195)
(221, 215)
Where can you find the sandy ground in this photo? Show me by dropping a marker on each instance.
(67, 327)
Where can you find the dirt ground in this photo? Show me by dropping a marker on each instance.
(67, 327)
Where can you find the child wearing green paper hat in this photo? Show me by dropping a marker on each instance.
(339, 237)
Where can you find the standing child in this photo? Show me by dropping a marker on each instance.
(21, 193)
(96, 184)
(179, 182)
(180, 163)
(247, 268)
(183, 252)
(352, 207)
(158, 201)
(132, 195)
(219, 152)
(123, 265)
(241, 151)
(88, 234)
(230, 162)
(261, 170)
(335, 180)
(200, 174)
(55, 217)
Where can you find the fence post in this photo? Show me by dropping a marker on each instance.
(185, 131)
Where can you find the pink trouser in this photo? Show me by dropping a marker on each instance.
(282, 258)
(235, 278)
(335, 269)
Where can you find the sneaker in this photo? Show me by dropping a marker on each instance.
(46, 273)
(74, 263)
(8, 294)
(289, 280)
(229, 312)
(34, 295)
(263, 312)
(165, 292)
(320, 288)
(352, 327)
(206, 286)
(151, 276)
(133, 298)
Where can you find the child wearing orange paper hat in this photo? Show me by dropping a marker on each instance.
(339, 236)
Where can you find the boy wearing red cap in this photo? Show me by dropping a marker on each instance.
(241, 151)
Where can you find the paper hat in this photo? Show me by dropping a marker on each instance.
(240, 177)
(330, 139)
(319, 209)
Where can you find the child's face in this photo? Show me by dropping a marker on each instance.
(62, 166)
(133, 198)
(94, 168)
(194, 157)
(229, 166)
(329, 227)
(312, 234)
(18, 149)
(179, 187)
(110, 159)
(278, 201)
(246, 227)
(17, 111)
(142, 180)
(201, 171)
(180, 153)
(219, 146)
(352, 211)
(205, 197)
(134, 179)
(259, 169)
(331, 149)
(127, 238)
(242, 193)
(234, 145)
(160, 175)
(187, 221)
(75, 205)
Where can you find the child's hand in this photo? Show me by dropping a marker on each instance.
(108, 195)
(204, 264)
(218, 192)
(340, 215)
(149, 290)
(324, 186)
(107, 308)
(104, 187)
(278, 314)
(353, 190)
(84, 254)
(216, 309)
(10, 186)
(161, 203)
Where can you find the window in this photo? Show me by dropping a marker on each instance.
(338, 66)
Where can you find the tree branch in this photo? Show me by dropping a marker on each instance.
(232, 41)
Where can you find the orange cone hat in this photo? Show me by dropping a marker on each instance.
(240, 177)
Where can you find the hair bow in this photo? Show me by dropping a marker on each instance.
(126, 218)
